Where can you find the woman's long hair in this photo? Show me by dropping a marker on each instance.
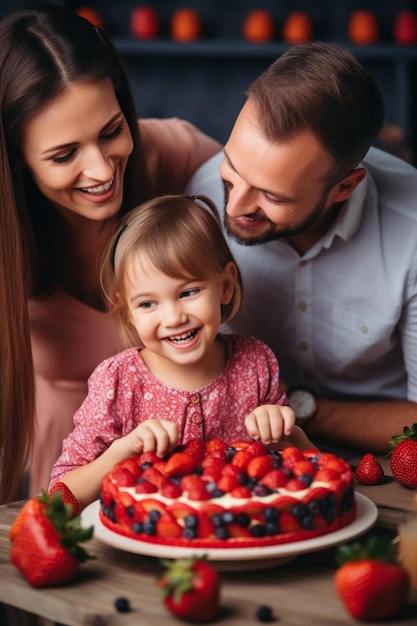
(42, 51)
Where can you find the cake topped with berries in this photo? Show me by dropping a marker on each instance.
(216, 494)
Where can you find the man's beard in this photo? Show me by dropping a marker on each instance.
(234, 231)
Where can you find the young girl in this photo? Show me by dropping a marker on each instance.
(172, 282)
(74, 159)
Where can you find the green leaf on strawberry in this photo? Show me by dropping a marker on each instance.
(190, 589)
(46, 534)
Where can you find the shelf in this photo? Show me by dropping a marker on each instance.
(229, 48)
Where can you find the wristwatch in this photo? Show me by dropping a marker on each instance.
(304, 404)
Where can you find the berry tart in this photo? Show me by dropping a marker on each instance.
(237, 495)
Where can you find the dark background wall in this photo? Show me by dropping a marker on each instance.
(206, 84)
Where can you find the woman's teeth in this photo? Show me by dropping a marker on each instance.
(100, 188)
(183, 337)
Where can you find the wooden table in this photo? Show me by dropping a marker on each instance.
(301, 592)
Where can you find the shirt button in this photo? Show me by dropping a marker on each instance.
(364, 330)
(197, 418)
(303, 345)
(303, 263)
(302, 306)
(195, 399)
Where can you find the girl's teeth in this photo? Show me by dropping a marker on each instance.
(100, 188)
(183, 337)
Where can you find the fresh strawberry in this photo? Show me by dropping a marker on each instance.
(124, 477)
(228, 483)
(214, 445)
(275, 478)
(167, 526)
(260, 465)
(180, 464)
(191, 589)
(242, 459)
(45, 541)
(370, 583)
(369, 470)
(291, 456)
(241, 492)
(403, 457)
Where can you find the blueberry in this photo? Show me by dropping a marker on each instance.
(243, 519)
(299, 510)
(262, 490)
(258, 530)
(122, 605)
(145, 465)
(228, 517)
(130, 511)
(190, 521)
(306, 479)
(221, 532)
(137, 527)
(154, 515)
(271, 528)
(189, 533)
(270, 514)
(217, 520)
(264, 613)
(307, 522)
(149, 528)
(217, 493)
(313, 507)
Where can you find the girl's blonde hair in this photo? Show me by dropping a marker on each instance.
(181, 237)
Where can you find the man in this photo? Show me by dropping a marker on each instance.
(324, 229)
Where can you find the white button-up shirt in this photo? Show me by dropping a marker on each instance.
(342, 318)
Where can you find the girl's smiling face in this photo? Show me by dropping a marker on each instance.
(76, 149)
(176, 318)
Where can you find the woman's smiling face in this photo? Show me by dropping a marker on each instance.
(76, 149)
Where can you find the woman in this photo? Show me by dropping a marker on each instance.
(74, 160)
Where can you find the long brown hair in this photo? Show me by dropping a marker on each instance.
(182, 236)
(42, 51)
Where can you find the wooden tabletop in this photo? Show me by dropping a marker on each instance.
(300, 591)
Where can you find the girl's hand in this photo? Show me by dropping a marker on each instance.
(269, 423)
(151, 436)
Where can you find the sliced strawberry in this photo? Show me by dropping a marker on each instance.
(231, 470)
(199, 493)
(123, 477)
(144, 486)
(215, 444)
(168, 527)
(180, 464)
(326, 457)
(171, 490)
(192, 482)
(210, 509)
(260, 465)
(241, 492)
(255, 510)
(304, 467)
(154, 476)
(291, 456)
(122, 516)
(151, 504)
(257, 448)
(326, 475)
(205, 527)
(284, 503)
(242, 459)
(240, 444)
(274, 479)
(236, 530)
(228, 483)
(294, 484)
(148, 457)
(139, 513)
(180, 510)
(132, 465)
(288, 523)
(125, 499)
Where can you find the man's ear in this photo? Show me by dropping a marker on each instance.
(229, 282)
(345, 187)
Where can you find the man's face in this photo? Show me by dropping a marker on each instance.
(273, 190)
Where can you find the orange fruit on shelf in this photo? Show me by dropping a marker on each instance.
(297, 28)
(258, 26)
(91, 15)
(363, 28)
(186, 25)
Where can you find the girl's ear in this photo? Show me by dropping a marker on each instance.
(228, 283)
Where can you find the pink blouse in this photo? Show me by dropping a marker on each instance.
(122, 393)
(69, 339)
